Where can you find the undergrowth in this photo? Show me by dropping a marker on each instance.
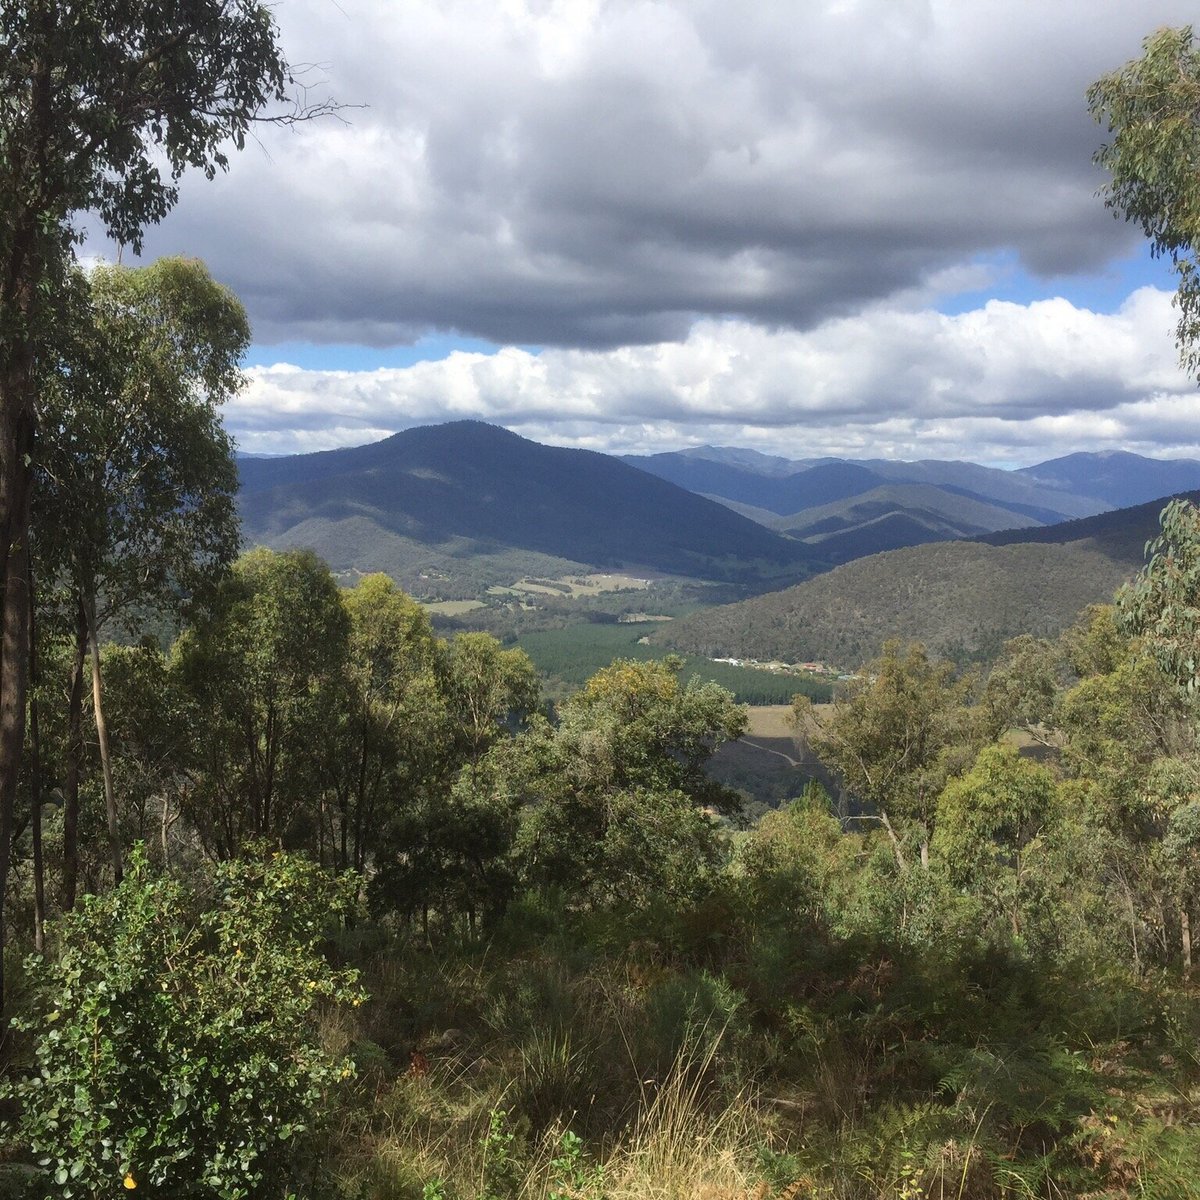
(506, 1070)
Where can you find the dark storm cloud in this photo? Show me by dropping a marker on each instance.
(580, 174)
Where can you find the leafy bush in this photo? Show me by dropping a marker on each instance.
(175, 1036)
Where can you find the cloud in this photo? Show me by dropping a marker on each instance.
(1004, 382)
(580, 173)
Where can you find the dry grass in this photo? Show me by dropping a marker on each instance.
(433, 1129)
(775, 720)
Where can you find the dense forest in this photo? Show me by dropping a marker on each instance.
(299, 899)
(963, 600)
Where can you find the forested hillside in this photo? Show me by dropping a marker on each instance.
(961, 599)
(468, 503)
(774, 484)
(1117, 477)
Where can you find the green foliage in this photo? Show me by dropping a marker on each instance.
(143, 92)
(136, 485)
(573, 1175)
(1162, 603)
(501, 1159)
(263, 673)
(572, 655)
(1150, 109)
(485, 684)
(901, 729)
(621, 786)
(175, 1039)
(992, 824)
(386, 735)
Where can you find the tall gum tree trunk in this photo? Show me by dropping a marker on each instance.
(35, 775)
(16, 445)
(110, 797)
(70, 877)
(21, 267)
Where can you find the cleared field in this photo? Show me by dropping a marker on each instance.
(453, 608)
(594, 585)
(572, 586)
(770, 721)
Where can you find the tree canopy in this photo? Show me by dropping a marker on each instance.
(1151, 107)
(103, 105)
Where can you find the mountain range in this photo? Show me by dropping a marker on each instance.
(448, 509)
(451, 509)
(844, 509)
(963, 599)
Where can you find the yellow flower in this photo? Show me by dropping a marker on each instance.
(130, 1182)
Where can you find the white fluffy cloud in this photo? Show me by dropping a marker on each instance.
(1002, 383)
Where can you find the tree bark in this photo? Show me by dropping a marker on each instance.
(70, 879)
(110, 798)
(896, 850)
(16, 434)
(35, 776)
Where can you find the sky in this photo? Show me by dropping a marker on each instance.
(866, 228)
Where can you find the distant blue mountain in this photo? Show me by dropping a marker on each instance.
(1116, 477)
(746, 477)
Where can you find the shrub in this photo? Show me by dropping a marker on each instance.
(176, 1047)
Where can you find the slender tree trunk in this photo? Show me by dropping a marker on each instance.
(1133, 934)
(20, 275)
(16, 430)
(896, 850)
(322, 806)
(164, 830)
(35, 776)
(70, 880)
(343, 829)
(1185, 931)
(110, 798)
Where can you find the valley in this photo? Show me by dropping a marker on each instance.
(731, 553)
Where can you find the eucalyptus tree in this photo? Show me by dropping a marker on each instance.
(1161, 607)
(623, 808)
(484, 684)
(1151, 107)
(264, 672)
(993, 825)
(900, 729)
(393, 727)
(136, 478)
(446, 843)
(103, 105)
